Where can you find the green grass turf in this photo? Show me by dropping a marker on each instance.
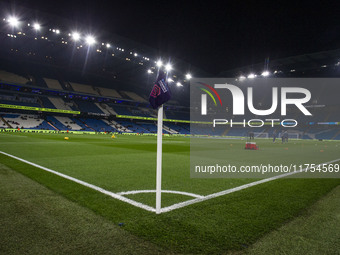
(316, 231)
(231, 222)
(35, 220)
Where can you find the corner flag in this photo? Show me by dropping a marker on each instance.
(160, 92)
(159, 95)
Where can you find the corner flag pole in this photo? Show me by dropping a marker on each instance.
(159, 160)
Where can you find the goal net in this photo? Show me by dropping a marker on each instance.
(261, 135)
(291, 135)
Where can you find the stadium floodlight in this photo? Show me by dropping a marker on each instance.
(57, 31)
(149, 71)
(75, 36)
(90, 40)
(265, 73)
(135, 54)
(13, 21)
(188, 76)
(168, 67)
(159, 63)
(170, 80)
(179, 84)
(251, 76)
(36, 26)
(108, 45)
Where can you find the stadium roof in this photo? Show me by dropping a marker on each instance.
(125, 61)
(214, 36)
(324, 63)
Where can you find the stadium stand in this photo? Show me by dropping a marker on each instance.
(53, 84)
(138, 111)
(46, 103)
(83, 125)
(109, 92)
(38, 81)
(131, 126)
(177, 115)
(59, 103)
(121, 109)
(97, 125)
(180, 128)
(20, 100)
(3, 124)
(89, 107)
(23, 121)
(117, 126)
(11, 77)
(169, 130)
(70, 124)
(87, 89)
(134, 96)
(105, 108)
(122, 88)
(56, 123)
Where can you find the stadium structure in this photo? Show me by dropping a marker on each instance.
(55, 79)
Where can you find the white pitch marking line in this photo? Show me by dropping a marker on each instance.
(169, 208)
(6, 134)
(132, 192)
(228, 191)
(91, 186)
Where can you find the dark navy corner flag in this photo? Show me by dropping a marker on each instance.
(160, 93)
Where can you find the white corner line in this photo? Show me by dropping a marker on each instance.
(91, 186)
(197, 199)
(133, 192)
(228, 191)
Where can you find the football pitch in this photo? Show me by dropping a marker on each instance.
(115, 178)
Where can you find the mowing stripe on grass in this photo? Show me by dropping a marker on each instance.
(91, 186)
(198, 198)
(228, 191)
(5, 134)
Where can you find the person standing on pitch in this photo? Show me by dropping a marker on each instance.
(274, 135)
(251, 135)
(284, 137)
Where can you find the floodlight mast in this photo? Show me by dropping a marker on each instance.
(90, 40)
(159, 63)
(36, 26)
(75, 36)
(13, 21)
(168, 67)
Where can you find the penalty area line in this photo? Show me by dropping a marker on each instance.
(88, 185)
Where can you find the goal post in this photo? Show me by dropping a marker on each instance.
(261, 135)
(291, 135)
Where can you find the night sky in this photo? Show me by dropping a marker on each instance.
(209, 34)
